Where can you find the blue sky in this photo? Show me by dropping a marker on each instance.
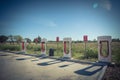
(63, 18)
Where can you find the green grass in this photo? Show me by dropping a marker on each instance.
(10, 47)
(116, 52)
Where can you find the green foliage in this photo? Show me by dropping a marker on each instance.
(33, 48)
(18, 38)
(30, 47)
(11, 39)
(10, 47)
(92, 53)
(117, 57)
(28, 40)
(37, 48)
(39, 39)
(116, 52)
(3, 38)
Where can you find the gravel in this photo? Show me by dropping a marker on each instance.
(112, 72)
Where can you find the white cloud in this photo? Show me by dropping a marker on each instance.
(45, 22)
(51, 23)
(106, 4)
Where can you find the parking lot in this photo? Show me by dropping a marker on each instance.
(24, 67)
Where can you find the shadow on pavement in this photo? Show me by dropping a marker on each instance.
(91, 70)
(49, 63)
(23, 58)
(4, 55)
(65, 65)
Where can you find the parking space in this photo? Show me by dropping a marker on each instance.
(24, 67)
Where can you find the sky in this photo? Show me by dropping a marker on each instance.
(63, 18)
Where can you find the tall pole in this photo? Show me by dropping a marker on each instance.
(85, 55)
(57, 47)
(85, 37)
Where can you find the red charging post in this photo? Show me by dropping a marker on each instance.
(42, 46)
(23, 47)
(85, 38)
(65, 47)
(57, 40)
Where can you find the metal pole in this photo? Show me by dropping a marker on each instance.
(85, 51)
(57, 48)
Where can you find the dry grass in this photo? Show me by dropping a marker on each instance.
(78, 49)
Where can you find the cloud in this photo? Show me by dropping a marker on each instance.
(95, 5)
(51, 23)
(106, 4)
(47, 23)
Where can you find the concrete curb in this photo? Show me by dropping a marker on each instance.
(100, 77)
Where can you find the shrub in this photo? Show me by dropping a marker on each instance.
(116, 52)
(10, 47)
(90, 53)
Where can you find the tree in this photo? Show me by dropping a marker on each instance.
(3, 38)
(18, 38)
(35, 40)
(116, 40)
(39, 39)
(94, 40)
(11, 39)
(28, 40)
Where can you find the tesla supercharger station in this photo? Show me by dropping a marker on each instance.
(104, 47)
(67, 54)
(43, 46)
(24, 44)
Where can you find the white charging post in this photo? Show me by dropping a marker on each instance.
(43, 46)
(67, 54)
(104, 46)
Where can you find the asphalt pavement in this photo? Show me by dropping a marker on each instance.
(24, 67)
